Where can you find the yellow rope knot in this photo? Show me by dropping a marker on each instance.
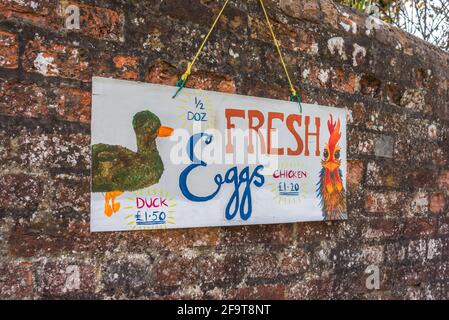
(187, 73)
(293, 92)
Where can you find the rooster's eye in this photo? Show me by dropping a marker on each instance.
(337, 154)
(325, 154)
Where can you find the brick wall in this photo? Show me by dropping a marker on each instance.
(395, 88)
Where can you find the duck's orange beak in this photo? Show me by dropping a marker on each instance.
(164, 131)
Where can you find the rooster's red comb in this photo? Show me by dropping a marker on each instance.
(334, 130)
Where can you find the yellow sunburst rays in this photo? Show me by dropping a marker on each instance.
(283, 199)
(187, 104)
(151, 192)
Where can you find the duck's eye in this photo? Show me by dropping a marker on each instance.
(337, 154)
(326, 154)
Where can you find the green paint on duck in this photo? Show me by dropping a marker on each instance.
(116, 168)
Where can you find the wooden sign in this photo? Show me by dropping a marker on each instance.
(211, 159)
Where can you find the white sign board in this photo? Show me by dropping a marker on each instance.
(206, 158)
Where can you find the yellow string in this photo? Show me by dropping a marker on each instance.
(186, 74)
(292, 89)
(190, 65)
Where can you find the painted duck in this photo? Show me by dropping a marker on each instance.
(116, 169)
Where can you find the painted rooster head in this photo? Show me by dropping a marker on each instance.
(331, 155)
(331, 189)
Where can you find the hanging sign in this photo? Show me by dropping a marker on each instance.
(211, 159)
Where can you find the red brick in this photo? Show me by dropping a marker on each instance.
(182, 10)
(417, 250)
(232, 18)
(417, 204)
(443, 226)
(395, 252)
(70, 151)
(70, 193)
(102, 23)
(444, 243)
(315, 231)
(358, 113)
(21, 191)
(386, 202)
(443, 180)
(212, 268)
(287, 36)
(6, 154)
(413, 99)
(98, 22)
(420, 177)
(273, 234)
(310, 289)
(34, 101)
(391, 92)
(127, 275)
(294, 261)
(343, 81)
(422, 78)
(417, 227)
(373, 254)
(305, 10)
(351, 283)
(437, 202)
(370, 85)
(74, 104)
(57, 236)
(310, 73)
(330, 13)
(226, 85)
(443, 271)
(221, 268)
(64, 277)
(52, 151)
(191, 292)
(382, 229)
(172, 239)
(128, 67)
(23, 99)
(174, 270)
(9, 50)
(16, 280)
(262, 265)
(383, 175)
(43, 12)
(355, 111)
(209, 81)
(362, 143)
(420, 150)
(355, 173)
(440, 157)
(162, 73)
(260, 292)
(434, 248)
(54, 59)
(252, 87)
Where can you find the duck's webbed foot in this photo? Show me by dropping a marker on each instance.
(110, 206)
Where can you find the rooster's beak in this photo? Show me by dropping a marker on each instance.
(331, 165)
(164, 131)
